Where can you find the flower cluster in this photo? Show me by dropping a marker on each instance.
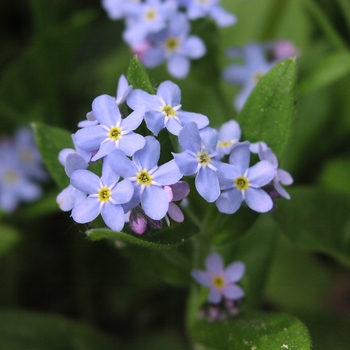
(134, 187)
(258, 59)
(225, 295)
(20, 170)
(159, 30)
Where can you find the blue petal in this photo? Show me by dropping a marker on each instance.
(109, 177)
(170, 93)
(214, 264)
(86, 211)
(154, 121)
(121, 164)
(258, 200)
(139, 97)
(201, 277)
(186, 162)
(178, 66)
(148, 156)
(240, 156)
(90, 138)
(105, 110)
(123, 192)
(167, 174)
(214, 296)
(189, 138)
(154, 201)
(131, 143)
(207, 184)
(153, 57)
(74, 162)
(210, 138)
(233, 292)
(234, 272)
(187, 117)
(85, 181)
(229, 201)
(261, 173)
(193, 47)
(105, 148)
(134, 119)
(113, 216)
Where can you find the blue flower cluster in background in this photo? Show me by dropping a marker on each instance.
(145, 195)
(160, 31)
(21, 170)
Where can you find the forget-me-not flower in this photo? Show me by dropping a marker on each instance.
(112, 132)
(199, 158)
(105, 196)
(174, 45)
(147, 177)
(164, 109)
(221, 281)
(229, 134)
(245, 183)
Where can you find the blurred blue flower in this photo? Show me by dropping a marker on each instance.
(164, 109)
(221, 281)
(174, 45)
(244, 183)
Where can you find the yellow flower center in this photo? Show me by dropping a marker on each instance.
(225, 143)
(10, 177)
(143, 177)
(203, 158)
(168, 111)
(218, 282)
(151, 15)
(172, 44)
(115, 133)
(104, 194)
(242, 183)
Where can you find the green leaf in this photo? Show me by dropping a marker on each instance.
(9, 236)
(138, 77)
(317, 219)
(267, 114)
(328, 70)
(51, 141)
(35, 331)
(170, 236)
(255, 331)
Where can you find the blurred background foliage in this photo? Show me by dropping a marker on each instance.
(55, 58)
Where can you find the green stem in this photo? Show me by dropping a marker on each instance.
(345, 6)
(326, 25)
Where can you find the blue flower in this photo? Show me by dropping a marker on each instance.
(164, 109)
(229, 134)
(147, 17)
(221, 281)
(105, 196)
(210, 8)
(112, 132)
(174, 45)
(281, 176)
(199, 158)
(245, 183)
(247, 75)
(147, 177)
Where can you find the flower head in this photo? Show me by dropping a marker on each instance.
(221, 281)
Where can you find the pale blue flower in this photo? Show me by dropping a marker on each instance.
(112, 132)
(147, 17)
(147, 177)
(229, 134)
(221, 281)
(175, 46)
(281, 176)
(244, 183)
(248, 74)
(199, 158)
(164, 109)
(105, 196)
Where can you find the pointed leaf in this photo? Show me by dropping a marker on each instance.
(138, 78)
(51, 141)
(268, 112)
